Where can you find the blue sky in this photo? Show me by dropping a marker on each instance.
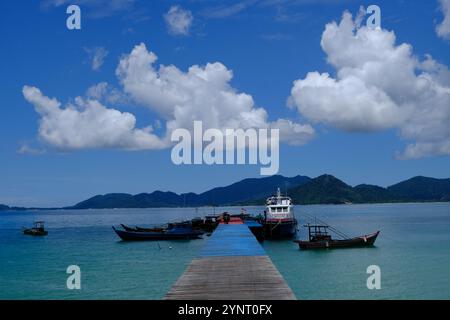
(267, 44)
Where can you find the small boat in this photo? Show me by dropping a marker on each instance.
(319, 238)
(38, 229)
(172, 232)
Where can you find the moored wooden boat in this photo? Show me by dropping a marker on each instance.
(362, 241)
(175, 232)
(319, 238)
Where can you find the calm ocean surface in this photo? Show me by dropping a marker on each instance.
(413, 252)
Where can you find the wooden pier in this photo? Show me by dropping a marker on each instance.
(231, 266)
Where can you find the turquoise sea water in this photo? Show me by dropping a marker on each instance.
(413, 252)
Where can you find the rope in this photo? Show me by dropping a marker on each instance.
(279, 222)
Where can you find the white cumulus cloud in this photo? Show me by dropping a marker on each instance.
(177, 98)
(178, 20)
(88, 124)
(378, 85)
(201, 93)
(443, 29)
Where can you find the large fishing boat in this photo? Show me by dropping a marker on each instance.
(279, 220)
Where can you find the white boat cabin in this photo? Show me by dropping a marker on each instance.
(279, 207)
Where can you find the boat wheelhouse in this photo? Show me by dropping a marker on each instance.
(279, 207)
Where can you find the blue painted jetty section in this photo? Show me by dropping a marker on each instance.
(232, 240)
(253, 224)
(231, 266)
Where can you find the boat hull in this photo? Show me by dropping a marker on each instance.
(363, 241)
(146, 236)
(274, 229)
(32, 232)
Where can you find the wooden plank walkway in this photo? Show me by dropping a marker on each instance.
(231, 266)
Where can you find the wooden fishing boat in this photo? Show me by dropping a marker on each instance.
(38, 229)
(173, 232)
(319, 238)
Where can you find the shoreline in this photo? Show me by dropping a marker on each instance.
(15, 209)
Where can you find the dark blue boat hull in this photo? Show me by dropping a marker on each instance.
(168, 235)
(279, 230)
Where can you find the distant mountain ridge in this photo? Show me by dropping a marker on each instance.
(422, 189)
(325, 189)
(239, 192)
